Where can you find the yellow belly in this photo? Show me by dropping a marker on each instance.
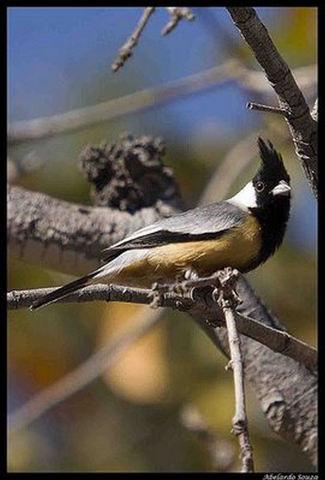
(235, 249)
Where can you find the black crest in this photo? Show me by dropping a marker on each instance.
(272, 164)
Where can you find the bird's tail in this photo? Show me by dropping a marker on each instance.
(79, 283)
(63, 291)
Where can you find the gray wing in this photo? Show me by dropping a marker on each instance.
(201, 223)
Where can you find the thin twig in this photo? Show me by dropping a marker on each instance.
(239, 422)
(109, 293)
(277, 340)
(44, 127)
(267, 108)
(176, 15)
(254, 306)
(261, 371)
(79, 378)
(126, 50)
(230, 70)
(240, 419)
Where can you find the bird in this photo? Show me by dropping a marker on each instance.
(241, 232)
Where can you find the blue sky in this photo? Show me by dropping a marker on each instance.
(51, 49)
(59, 59)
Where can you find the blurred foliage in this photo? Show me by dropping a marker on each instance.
(129, 419)
(299, 41)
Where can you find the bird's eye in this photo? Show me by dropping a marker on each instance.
(260, 186)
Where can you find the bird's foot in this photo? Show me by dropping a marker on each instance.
(157, 294)
(226, 294)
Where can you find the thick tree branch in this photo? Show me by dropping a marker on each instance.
(287, 392)
(68, 237)
(84, 374)
(302, 126)
(127, 175)
(284, 387)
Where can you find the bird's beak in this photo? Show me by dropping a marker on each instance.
(282, 188)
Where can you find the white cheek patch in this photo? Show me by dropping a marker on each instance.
(246, 198)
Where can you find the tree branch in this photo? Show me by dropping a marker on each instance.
(228, 300)
(277, 340)
(286, 390)
(302, 126)
(275, 378)
(127, 49)
(284, 387)
(176, 15)
(66, 236)
(231, 70)
(267, 108)
(239, 422)
(128, 175)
